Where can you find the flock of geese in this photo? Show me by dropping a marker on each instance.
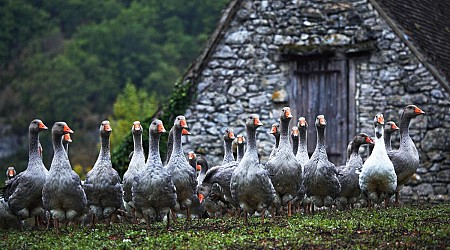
(184, 186)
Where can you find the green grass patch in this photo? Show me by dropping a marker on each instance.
(405, 227)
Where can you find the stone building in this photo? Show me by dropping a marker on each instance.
(347, 60)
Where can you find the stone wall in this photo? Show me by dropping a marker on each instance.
(245, 70)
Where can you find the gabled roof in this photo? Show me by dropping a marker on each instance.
(424, 25)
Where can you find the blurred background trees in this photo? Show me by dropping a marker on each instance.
(85, 61)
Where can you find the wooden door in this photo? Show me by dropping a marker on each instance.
(320, 86)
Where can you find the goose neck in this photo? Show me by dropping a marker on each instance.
(302, 140)
(228, 154)
(404, 128)
(57, 145)
(137, 140)
(177, 146)
(320, 146)
(153, 151)
(105, 148)
(33, 149)
(251, 143)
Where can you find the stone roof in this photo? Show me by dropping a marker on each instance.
(425, 24)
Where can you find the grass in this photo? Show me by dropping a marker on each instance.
(405, 227)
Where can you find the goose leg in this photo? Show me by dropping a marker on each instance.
(397, 202)
(245, 218)
(289, 208)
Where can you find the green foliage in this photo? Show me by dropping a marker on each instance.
(69, 59)
(407, 227)
(131, 105)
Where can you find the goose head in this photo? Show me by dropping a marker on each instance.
(320, 121)
(412, 111)
(240, 139)
(37, 126)
(180, 122)
(253, 121)
(390, 127)
(378, 123)
(302, 124)
(137, 129)
(156, 127)
(294, 132)
(61, 128)
(361, 139)
(286, 114)
(228, 135)
(105, 128)
(10, 173)
(275, 130)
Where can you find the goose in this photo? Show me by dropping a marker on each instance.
(102, 185)
(153, 191)
(294, 138)
(23, 193)
(135, 167)
(275, 131)
(10, 173)
(406, 158)
(228, 138)
(378, 180)
(284, 170)
(183, 175)
(7, 218)
(250, 183)
(66, 140)
(348, 177)
(319, 179)
(389, 128)
(62, 194)
(240, 147)
(192, 159)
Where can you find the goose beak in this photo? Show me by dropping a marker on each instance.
(161, 128)
(67, 137)
(137, 125)
(183, 124)
(11, 172)
(201, 197)
(257, 122)
(287, 113)
(42, 126)
(322, 121)
(231, 135)
(273, 130)
(107, 128)
(380, 119)
(66, 129)
(369, 140)
(191, 155)
(418, 111)
(185, 132)
(394, 126)
(198, 167)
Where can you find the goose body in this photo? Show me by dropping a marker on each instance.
(406, 158)
(378, 180)
(24, 191)
(320, 180)
(250, 184)
(183, 175)
(284, 170)
(62, 194)
(153, 191)
(102, 185)
(348, 177)
(136, 166)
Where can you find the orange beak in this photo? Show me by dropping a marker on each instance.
(137, 126)
(257, 122)
(11, 172)
(201, 197)
(394, 126)
(198, 167)
(161, 128)
(67, 137)
(418, 111)
(107, 127)
(380, 119)
(67, 129)
(42, 126)
(287, 113)
(322, 121)
(183, 123)
(273, 130)
(369, 140)
(185, 132)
